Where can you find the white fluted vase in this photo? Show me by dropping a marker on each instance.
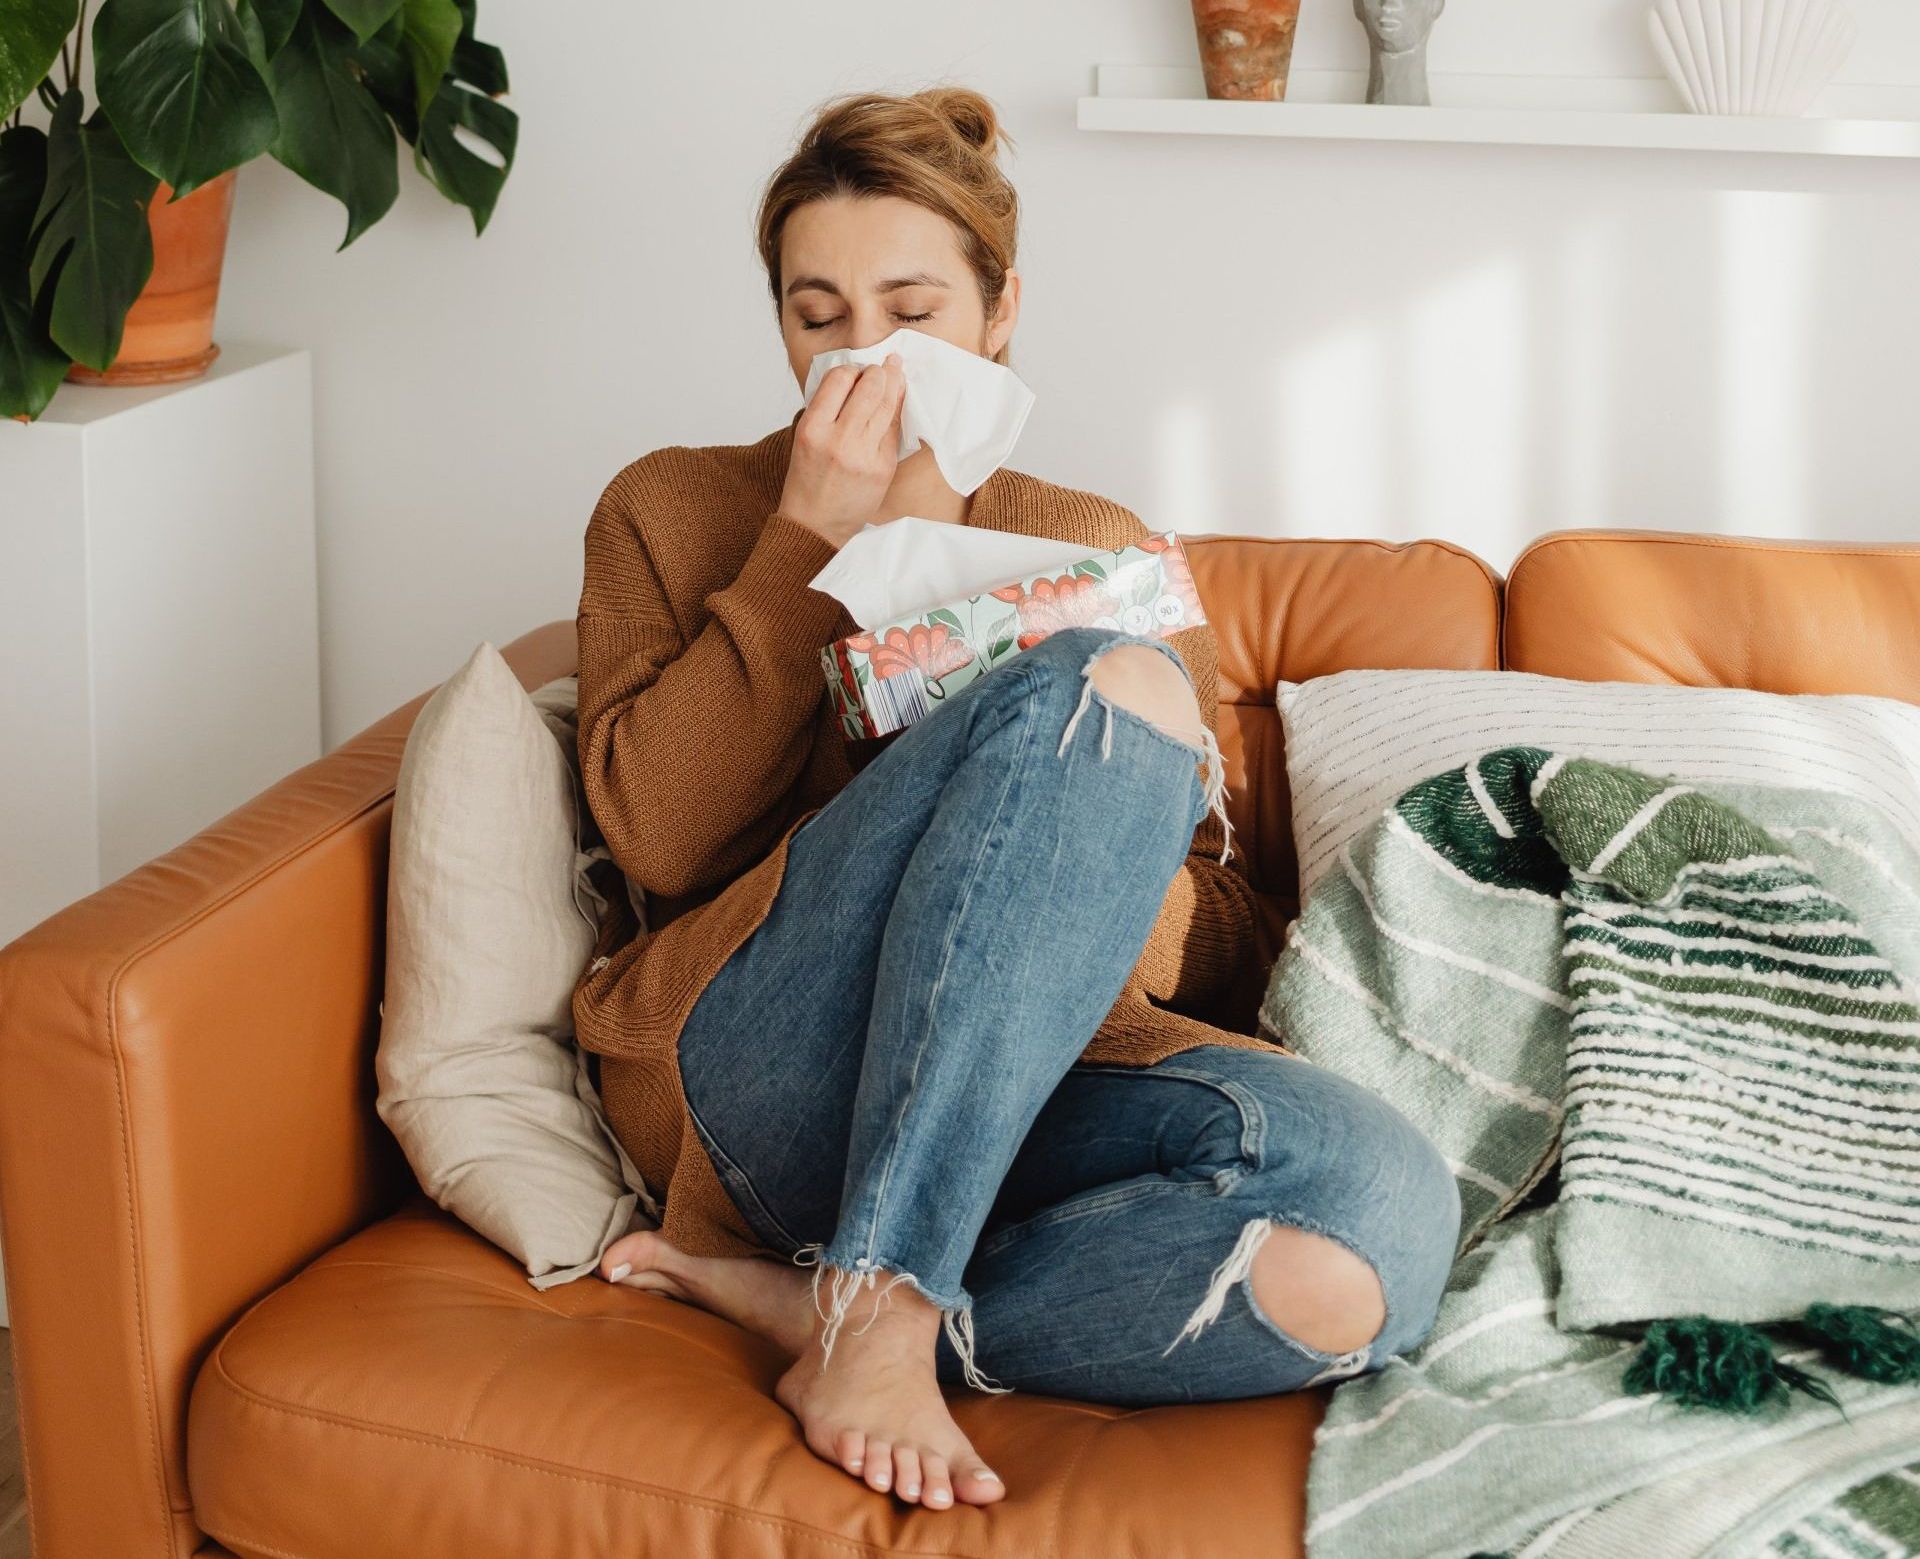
(1751, 56)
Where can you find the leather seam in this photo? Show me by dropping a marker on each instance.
(1062, 1484)
(596, 1480)
(1371, 543)
(480, 1396)
(136, 1254)
(1760, 544)
(130, 1194)
(455, 1277)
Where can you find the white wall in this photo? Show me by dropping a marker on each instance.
(1246, 335)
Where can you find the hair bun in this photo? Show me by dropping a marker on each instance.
(969, 114)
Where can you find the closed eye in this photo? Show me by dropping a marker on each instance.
(905, 319)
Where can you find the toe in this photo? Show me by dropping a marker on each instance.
(936, 1490)
(906, 1473)
(879, 1465)
(979, 1485)
(622, 1256)
(849, 1448)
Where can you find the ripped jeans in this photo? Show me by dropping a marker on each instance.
(886, 1075)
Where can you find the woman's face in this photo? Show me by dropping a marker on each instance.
(855, 269)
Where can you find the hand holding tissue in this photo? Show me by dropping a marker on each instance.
(966, 408)
(997, 594)
(941, 604)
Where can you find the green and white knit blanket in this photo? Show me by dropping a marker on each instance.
(1699, 1009)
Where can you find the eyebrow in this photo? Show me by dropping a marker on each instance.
(893, 284)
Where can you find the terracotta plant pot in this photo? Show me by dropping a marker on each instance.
(1246, 46)
(169, 332)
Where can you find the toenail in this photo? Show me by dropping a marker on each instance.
(937, 1497)
(988, 1473)
(909, 1488)
(619, 1272)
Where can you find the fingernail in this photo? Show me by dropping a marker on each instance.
(988, 1473)
(619, 1272)
(909, 1489)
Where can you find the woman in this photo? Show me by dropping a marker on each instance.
(934, 1008)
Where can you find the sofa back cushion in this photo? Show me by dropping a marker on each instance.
(1717, 611)
(1298, 609)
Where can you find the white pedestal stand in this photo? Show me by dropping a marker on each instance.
(159, 647)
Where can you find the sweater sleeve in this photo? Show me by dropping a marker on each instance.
(688, 740)
(1195, 956)
(1194, 959)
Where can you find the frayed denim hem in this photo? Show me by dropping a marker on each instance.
(956, 1318)
(1216, 781)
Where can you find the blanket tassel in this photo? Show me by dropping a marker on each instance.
(1876, 1345)
(1723, 1366)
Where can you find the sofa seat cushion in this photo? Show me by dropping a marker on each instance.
(409, 1394)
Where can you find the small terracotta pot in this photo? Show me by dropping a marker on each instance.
(169, 331)
(1246, 46)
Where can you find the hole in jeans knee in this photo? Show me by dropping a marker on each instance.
(1150, 685)
(1197, 738)
(1319, 1292)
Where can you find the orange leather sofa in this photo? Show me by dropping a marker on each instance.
(239, 1328)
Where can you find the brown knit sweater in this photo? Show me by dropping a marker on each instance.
(707, 737)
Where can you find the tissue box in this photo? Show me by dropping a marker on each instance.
(889, 676)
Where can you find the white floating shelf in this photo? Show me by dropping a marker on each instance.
(1870, 121)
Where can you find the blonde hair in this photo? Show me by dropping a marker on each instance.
(937, 148)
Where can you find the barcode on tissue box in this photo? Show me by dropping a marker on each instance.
(897, 702)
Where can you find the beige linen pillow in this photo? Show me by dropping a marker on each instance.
(491, 916)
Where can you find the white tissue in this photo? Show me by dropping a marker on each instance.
(967, 408)
(910, 564)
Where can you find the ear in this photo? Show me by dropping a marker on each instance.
(1000, 327)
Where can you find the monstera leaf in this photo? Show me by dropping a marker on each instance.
(365, 17)
(478, 64)
(31, 366)
(429, 31)
(461, 174)
(332, 132)
(404, 63)
(396, 69)
(176, 79)
(267, 25)
(91, 243)
(31, 32)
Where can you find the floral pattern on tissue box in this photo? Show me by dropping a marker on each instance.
(886, 678)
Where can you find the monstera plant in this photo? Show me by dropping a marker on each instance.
(188, 89)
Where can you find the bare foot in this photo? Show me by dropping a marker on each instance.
(768, 1297)
(875, 1407)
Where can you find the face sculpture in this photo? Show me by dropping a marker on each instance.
(1396, 26)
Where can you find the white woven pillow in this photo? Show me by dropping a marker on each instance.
(1356, 739)
(491, 917)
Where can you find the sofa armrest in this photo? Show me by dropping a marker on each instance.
(187, 1118)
